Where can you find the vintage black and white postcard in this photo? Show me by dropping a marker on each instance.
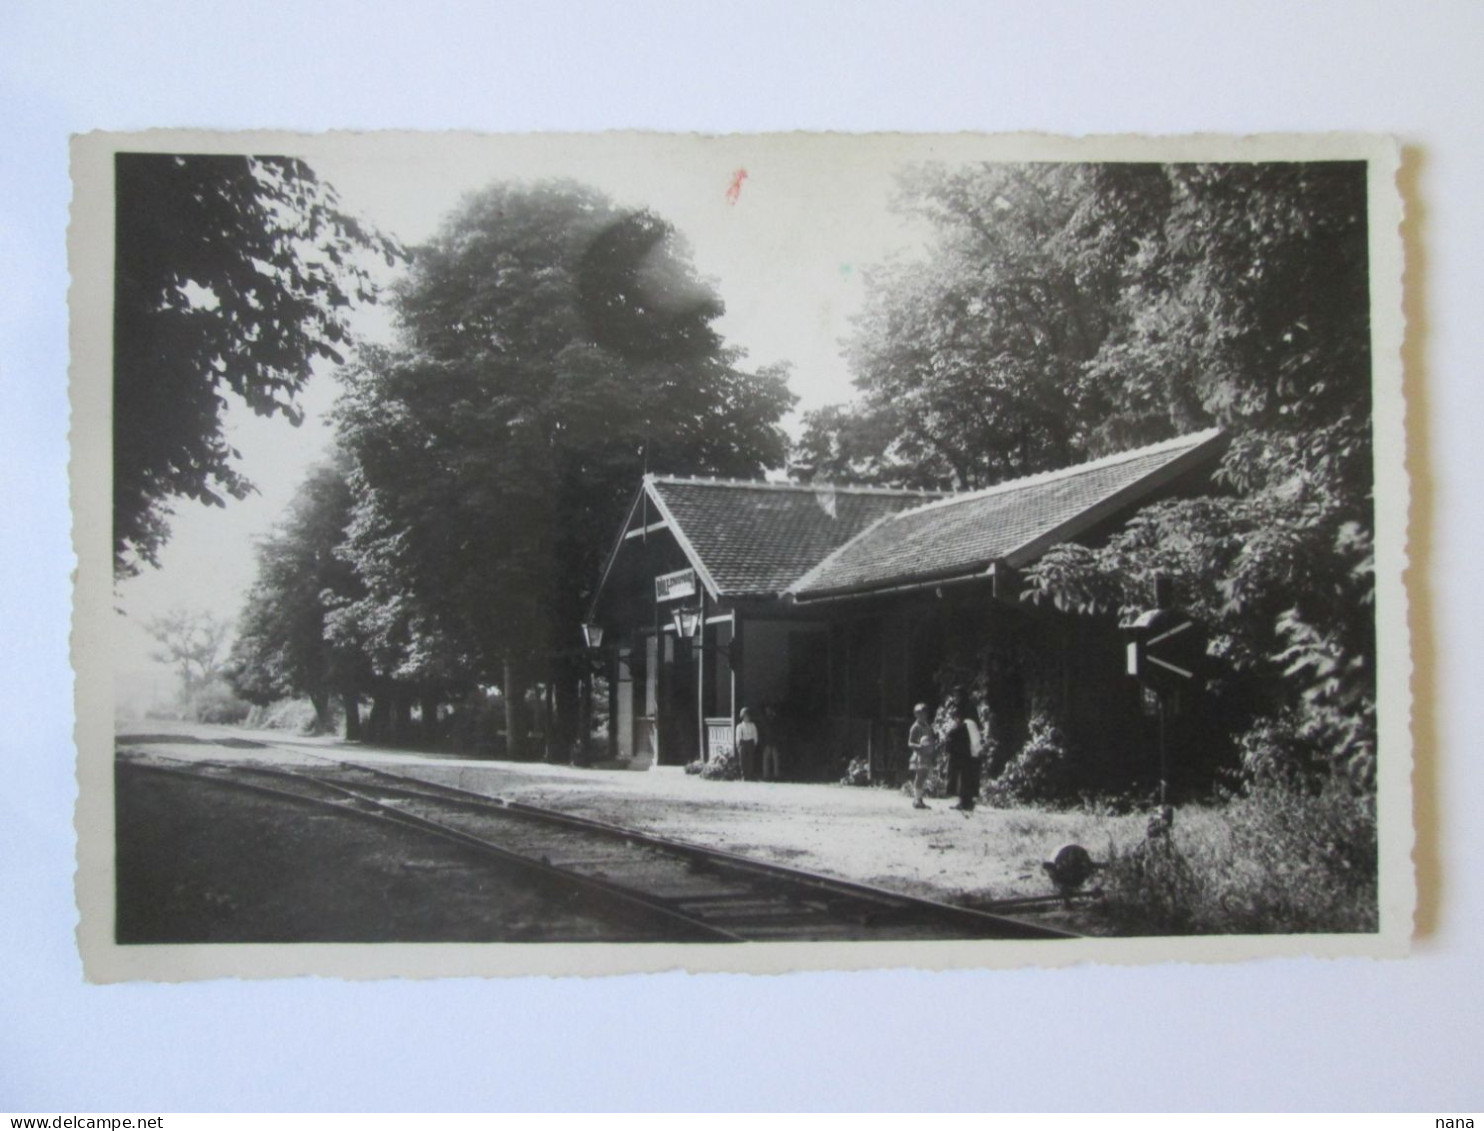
(622, 552)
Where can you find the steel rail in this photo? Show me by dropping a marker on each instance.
(893, 903)
(709, 932)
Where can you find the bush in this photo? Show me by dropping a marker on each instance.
(1272, 750)
(1041, 770)
(724, 767)
(858, 772)
(217, 703)
(295, 715)
(1281, 857)
(696, 767)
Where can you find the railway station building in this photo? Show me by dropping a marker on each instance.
(830, 611)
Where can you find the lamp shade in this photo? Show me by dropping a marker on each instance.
(687, 622)
(592, 635)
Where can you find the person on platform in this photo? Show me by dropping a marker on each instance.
(747, 742)
(976, 746)
(963, 775)
(768, 739)
(924, 745)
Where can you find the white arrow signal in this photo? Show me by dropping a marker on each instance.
(1170, 667)
(1176, 631)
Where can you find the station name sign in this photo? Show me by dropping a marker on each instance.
(673, 586)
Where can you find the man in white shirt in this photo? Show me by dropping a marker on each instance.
(747, 746)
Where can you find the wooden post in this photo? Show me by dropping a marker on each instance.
(611, 671)
(734, 655)
(845, 637)
(700, 646)
(659, 660)
(739, 685)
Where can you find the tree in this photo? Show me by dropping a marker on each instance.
(283, 647)
(232, 275)
(193, 642)
(972, 361)
(553, 348)
(1255, 303)
(871, 443)
(1066, 311)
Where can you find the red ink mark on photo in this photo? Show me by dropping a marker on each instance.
(735, 189)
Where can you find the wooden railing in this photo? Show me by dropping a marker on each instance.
(718, 738)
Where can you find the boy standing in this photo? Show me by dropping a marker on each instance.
(923, 745)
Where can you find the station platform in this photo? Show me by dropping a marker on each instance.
(867, 834)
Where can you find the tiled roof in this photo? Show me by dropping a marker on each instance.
(755, 538)
(964, 534)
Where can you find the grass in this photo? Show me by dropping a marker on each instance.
(1275, 859)
(1279, 859)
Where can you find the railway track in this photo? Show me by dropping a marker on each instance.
(700, 894)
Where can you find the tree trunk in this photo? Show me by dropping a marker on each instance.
(379, 726)
(567, 733)
(428, 704)
(323, 724)
(402, 733)
(580, 753)
(548, 724)
(351, 702)
(515, 715)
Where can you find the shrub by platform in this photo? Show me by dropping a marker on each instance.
(1279, 858)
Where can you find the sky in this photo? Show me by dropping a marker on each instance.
(786, 251)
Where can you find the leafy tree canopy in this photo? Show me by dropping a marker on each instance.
(972, 360)
(282, 647)
(1065, 311)
(553, 347)
(232, 275)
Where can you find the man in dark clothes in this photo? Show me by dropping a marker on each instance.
(963, 775)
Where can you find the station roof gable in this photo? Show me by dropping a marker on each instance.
(754, 539)
(816, 542)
